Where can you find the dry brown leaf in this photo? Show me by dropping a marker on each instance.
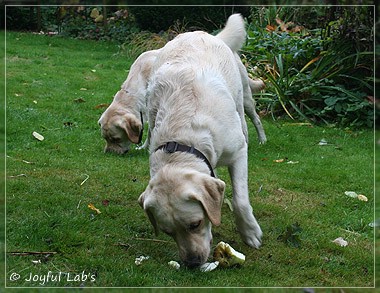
(92, 207)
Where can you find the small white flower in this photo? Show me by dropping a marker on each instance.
(174, 264)
(341, 242)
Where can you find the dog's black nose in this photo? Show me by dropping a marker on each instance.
(193, 261)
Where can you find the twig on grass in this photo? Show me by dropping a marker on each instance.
(85, 179)
(20, 160)
(24, 253)
(153, 240)
(15, 176)
(126, 245)
(352, 232)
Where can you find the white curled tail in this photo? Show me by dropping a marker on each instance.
(234, 33)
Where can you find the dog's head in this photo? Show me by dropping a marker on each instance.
(119, 128)
(183, 204)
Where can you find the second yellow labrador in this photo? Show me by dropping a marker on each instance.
(122, 122)
(196, 119)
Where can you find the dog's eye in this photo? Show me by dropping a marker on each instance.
(195, 225)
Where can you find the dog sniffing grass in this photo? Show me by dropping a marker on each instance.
(57, 86)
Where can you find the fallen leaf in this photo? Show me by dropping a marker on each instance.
(101, 106)
(279, 160)
(79, 100)
(270, 28)
(92, 207)
(291, 235)
(93, 70)
(83, 89)
(68, 124)
(38, 136)
(340, 241)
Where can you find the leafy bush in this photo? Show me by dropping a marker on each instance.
(309, 75)
(89, 23)
(208, 18)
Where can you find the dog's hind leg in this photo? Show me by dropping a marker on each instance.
(250, 107)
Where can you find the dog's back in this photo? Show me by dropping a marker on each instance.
(196, 75)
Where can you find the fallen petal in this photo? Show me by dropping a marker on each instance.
(209, 266)
(140, 259)
(38, 136)
(362, 197)
(341, 242)
(352, 194)
(174, 264)
(323, 142)
(36, 261)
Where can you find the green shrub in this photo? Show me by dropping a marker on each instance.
(311, 74)
(208, 18)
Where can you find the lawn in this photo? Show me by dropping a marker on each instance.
(58, 88)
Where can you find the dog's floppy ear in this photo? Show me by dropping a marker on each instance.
(144, 203)
(211, 197)
(132, 126)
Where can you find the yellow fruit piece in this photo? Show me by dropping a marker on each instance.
(227, 256)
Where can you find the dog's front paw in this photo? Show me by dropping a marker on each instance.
(251, 233)
(262, 140)
(253, 240)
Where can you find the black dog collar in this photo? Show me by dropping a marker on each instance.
(142, 128)
(172, 147)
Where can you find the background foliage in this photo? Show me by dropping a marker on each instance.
(320, 71)
(317, 61)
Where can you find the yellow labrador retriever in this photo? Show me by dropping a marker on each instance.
(196, 119)
(122, 122)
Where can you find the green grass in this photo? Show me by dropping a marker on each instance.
(46, 208)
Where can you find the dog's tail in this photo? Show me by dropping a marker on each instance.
(233, 33)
